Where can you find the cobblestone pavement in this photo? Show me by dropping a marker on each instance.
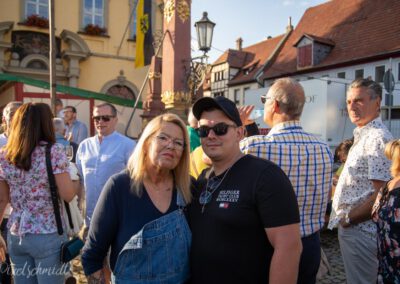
(329, 243)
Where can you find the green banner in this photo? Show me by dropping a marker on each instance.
(70, 90)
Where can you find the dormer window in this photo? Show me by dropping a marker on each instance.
(304, 55)
(312, 50)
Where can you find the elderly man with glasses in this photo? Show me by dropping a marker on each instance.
(305, 159)
(244, 216)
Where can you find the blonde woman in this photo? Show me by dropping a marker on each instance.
(386, 215)
(139, 213)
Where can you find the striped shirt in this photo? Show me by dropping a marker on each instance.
(306, 160)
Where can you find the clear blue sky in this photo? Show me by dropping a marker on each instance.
(252, 20)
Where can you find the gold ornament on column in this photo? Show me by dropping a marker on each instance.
(171, 98)
(183, 10)
(169, 10)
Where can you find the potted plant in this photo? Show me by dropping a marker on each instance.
(91, 29)
(36, 21)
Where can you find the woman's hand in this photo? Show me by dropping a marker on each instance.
(245, 112)
(3, 249)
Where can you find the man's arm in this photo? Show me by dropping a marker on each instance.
(362, 212)
(286, 242)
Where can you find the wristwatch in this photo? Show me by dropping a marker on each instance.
(347, 219)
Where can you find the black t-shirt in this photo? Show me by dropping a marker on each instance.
(229, 242)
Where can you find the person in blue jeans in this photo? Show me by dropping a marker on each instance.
(139, 214)
(33, 242)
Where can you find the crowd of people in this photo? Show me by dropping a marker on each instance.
(207, 202)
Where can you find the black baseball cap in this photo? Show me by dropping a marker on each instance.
(225, 105)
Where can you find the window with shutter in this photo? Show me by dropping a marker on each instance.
(304, 55)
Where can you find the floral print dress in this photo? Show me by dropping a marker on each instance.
(32, 208)
(386, 215)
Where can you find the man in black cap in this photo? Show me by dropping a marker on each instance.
(244, 216)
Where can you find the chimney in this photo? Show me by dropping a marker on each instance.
(289, 27)
(239, 43)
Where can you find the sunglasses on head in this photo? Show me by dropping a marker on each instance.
(219, 129)
(105, 118)
(264, 99)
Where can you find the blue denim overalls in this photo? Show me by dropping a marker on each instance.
(158, 253)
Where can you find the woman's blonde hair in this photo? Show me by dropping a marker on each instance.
(137, 161)
(392, 152)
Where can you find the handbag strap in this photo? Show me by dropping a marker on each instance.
(53, 190)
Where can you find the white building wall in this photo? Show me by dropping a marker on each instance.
(369, 71)
(242, 89)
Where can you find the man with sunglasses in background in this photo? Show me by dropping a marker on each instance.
(101, 156)
(244, 216)
(304, 158)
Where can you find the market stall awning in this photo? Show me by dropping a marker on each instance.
(69, 90)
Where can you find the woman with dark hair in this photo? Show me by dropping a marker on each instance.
(33, 241)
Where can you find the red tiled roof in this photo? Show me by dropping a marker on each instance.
(257, 56)
(360, 29)
(235, 58)
(316, 38)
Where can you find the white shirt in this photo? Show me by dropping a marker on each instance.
(97, 162)
(3, 139)
(366, 161)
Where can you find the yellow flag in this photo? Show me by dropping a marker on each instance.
(142, 26)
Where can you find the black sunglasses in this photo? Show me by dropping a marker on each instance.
(219, 129)
(105, 118)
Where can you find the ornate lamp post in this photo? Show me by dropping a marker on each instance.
(198, 65)
(205, 30)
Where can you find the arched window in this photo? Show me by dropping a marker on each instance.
(121, 92)
(37, 64)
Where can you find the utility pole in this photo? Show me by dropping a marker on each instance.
(52, 56)
(389, 84)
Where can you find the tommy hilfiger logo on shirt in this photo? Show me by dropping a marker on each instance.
(226, 197)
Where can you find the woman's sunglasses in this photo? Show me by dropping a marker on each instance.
(219, 129)
(105, 118)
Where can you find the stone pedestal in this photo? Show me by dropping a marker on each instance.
(176, 57)
(152, 104)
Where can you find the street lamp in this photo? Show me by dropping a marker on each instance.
(204, 29)
(198, 65)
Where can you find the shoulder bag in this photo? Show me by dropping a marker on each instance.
(71, 248)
